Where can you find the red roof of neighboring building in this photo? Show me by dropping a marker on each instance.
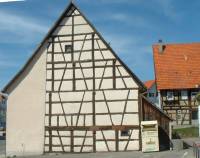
(178, 66)
(149, 83)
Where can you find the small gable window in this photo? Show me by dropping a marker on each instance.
(125, 133)
(184, 95)
(170, 95)
(151, 95)
(68, 48)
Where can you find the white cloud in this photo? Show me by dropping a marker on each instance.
(6, 64)
(168, 9)
(11, 0)
(165, 7)
(17, 28)
(120, 1)
(131, 20)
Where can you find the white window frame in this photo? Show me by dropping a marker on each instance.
(184, 95)
(170, 95)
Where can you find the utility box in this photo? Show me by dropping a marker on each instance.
(149, 133)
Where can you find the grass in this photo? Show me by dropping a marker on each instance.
(186, 132)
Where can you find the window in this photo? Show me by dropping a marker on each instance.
(125, 133)
(170, 96)
(195, 115)
(193, 95)
(151, 94)
(68, 48)
(184, 95)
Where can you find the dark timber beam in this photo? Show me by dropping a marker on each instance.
(93, 95)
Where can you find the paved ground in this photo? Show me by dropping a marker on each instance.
(168, 154)
(187, 153)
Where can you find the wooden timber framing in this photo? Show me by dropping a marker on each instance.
(179, 109)
(152, 112)
(92, 99)
(108, 75)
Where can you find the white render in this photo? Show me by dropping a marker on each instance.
(25, 110)
(45, 92)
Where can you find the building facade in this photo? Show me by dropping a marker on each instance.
(151, 92)
(3, 102)
(178, 80)
(74, 95)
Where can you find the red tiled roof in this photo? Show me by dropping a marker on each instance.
(178, 66)
(149, 83)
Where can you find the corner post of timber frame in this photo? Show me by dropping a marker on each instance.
(140, 115)
(93, 96)
(50, 131)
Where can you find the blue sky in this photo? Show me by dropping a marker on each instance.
(130, 26)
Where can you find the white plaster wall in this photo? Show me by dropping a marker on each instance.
(25, 110)
(107, 83)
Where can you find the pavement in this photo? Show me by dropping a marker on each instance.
(186, 153)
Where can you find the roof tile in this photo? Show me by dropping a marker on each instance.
(177, 67)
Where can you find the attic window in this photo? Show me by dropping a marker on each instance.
(170, 96)
(184, 95)
(151, 95)
(68, 48)
(125, 133)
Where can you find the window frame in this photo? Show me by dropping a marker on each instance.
(125, 133)
(67, 47)
(184, 97)
(168, 96)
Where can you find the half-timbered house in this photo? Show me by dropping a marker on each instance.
(74, 95)
(151, 92)
(178, 80)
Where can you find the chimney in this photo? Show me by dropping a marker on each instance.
(161, 46)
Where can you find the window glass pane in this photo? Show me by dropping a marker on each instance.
(68, 48)
(170, 95)
(125, 133)
(184, 95)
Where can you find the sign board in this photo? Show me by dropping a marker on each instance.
(149, 133)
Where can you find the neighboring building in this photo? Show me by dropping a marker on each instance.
(75, 95)
(177, 76)
(151, 92)
(3, 100)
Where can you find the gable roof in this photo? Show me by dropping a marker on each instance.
(177, 67)
(67, 12)
(149, 83)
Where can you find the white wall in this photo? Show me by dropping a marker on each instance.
(101, 54)
(25, 110)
